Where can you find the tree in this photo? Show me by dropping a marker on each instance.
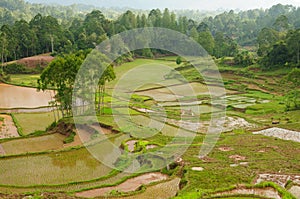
(60, 75)
(166, 19)
(281, 24)
(102, 72)
(277, 56)
(244, 58)
(205, 38)
(26, 38)
(127, 20)
(266, 39)
(293, 97)
(194, 34)
(155, 18)
(224, 46)
(293, 44)
(178, 60)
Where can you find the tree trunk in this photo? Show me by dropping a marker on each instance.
(52, 43)
(103, 93)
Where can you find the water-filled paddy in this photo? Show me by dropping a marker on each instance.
(22, 97)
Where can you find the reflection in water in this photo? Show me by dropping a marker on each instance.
(21, 97)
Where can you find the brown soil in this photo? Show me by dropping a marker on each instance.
(36, 61)
(207, 159)
(295, 190)
(225, 149)
(237, 157)
(127, 186)
(42, 196)
(23, 97)
(102, 130)
(280, 179)
(63, 128)
(130, 145)
(151, 146)
(266, 192)
(8, 128)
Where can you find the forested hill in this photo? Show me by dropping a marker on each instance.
(245, 25)
(270, 34)
(12, 10)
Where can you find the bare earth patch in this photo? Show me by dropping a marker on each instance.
(130, 144)
(151, 146)
(281, 134)
(8, 128)
(197, 169)
(230, 124)
(266, 192)
(237, 157)
(34, 61)
(295, 190)
(280, 179)
(225, 149)
(127, 186)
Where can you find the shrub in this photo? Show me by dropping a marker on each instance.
(70, 138)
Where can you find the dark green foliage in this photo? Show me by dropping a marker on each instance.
(70, 138)
(16, 69)
(244, 58)
(178, 60)
(61, 74)
(292, 98)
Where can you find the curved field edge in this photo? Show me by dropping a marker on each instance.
(223, 193)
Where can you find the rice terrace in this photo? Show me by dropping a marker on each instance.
(208, 107)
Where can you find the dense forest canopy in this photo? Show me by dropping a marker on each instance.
(271, 34)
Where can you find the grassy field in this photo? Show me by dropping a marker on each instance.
(24, 80)
(31, 122)
(278, 156)
(255, 97)
(54, 168)
(35, 144)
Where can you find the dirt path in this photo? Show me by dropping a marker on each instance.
(8, 128)
(127, 186)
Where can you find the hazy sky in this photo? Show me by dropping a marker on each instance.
(177, 4)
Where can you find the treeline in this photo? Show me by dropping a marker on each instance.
(245, 26)
(44, 34)
(272, 31)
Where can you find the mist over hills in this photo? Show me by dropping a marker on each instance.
(175, 4)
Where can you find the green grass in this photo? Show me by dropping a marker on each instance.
(59, 169)
(24, 80)
(218, 173)
(55, 168)
(266, 108)
(35, 144)
(165, 189)
(31, 122)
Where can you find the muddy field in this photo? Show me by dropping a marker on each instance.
(21, 97)
(127, 186)
(7, 127)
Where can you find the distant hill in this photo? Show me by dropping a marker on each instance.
(13, 10)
